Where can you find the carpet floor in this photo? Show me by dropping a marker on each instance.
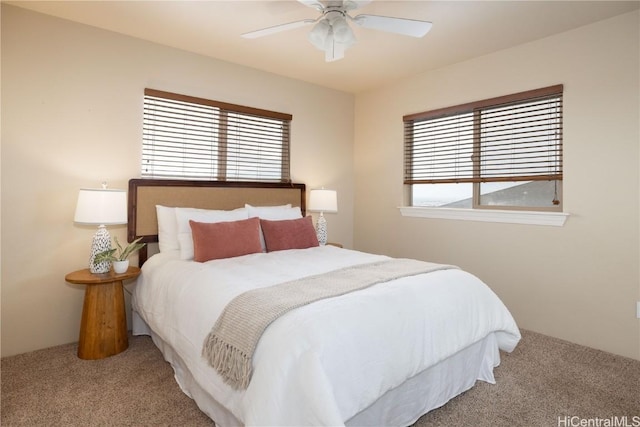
(544, 382)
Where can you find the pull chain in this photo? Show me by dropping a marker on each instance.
(555, 200)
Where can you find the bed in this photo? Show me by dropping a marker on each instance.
(384, 353)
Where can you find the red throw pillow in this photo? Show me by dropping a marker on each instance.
(225, 239)
(289, 234)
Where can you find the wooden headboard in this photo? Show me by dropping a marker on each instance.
(145, 194)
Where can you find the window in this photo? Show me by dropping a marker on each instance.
(501, 153)
(194, 138)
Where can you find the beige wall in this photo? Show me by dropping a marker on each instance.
(579, 282)
(72, 117)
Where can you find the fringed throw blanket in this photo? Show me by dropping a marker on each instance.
(230, 345)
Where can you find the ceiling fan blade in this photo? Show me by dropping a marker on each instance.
(355, 4)
(277, 28)
(407, 27)
(334, 51)
(314, 4)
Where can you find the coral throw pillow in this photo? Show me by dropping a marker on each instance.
(225, 239)
(289, 234)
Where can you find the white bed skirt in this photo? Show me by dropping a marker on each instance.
(398, 407)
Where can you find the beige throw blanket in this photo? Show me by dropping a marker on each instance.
(230, 345)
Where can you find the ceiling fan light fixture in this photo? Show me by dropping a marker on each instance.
(342, 32)
(319, 34)
(332, 35)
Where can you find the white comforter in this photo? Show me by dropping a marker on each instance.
(325, 362)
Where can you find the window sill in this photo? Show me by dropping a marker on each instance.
(556, 219)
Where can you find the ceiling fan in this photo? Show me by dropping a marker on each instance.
(331, 32)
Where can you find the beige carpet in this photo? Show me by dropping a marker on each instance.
(542, 380)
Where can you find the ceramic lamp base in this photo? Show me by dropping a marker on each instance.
(321, 230)
(101, 243)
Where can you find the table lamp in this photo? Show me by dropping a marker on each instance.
(322, 200)
(101, 207)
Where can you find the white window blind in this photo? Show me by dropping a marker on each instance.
(195, 138)
(512, 138)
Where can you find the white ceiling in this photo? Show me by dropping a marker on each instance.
(461, 30)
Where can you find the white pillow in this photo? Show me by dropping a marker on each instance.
(183, 215)
(167, 229)
(273, 213)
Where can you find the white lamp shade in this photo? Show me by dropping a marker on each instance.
(101, 207)
(323, 201)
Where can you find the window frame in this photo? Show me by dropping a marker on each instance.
(554, 93)
(241, 115)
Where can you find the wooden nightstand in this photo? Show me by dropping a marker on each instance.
(339, 245)
(103, 330)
